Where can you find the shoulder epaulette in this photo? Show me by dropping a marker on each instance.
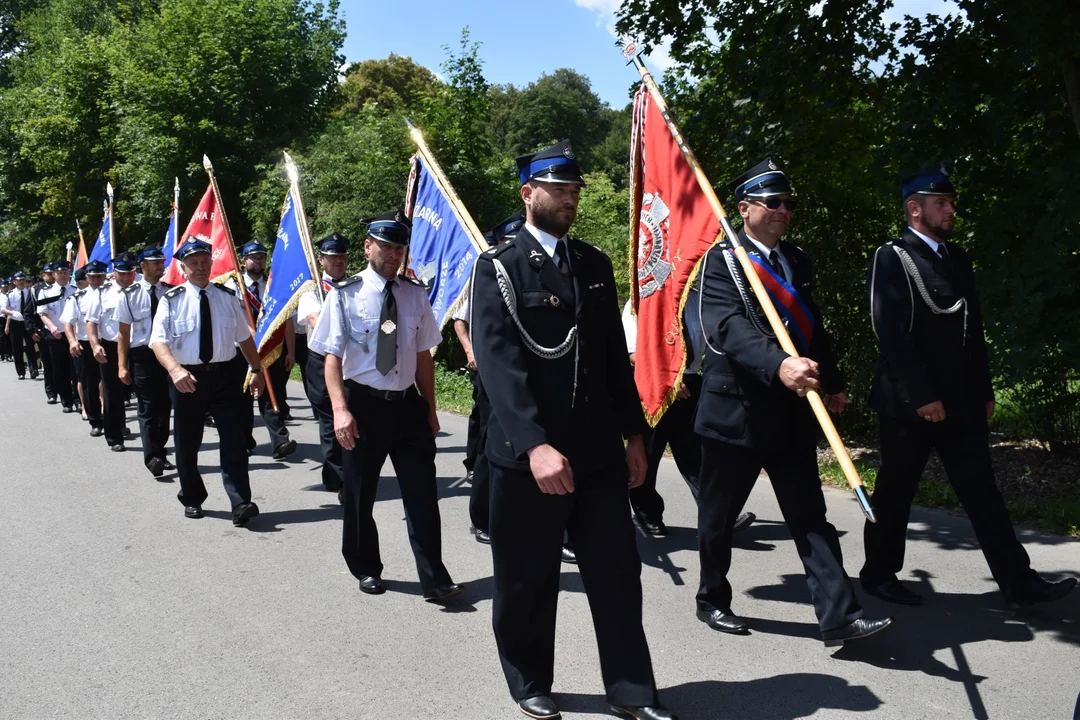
(174, 292)
(411, 280)
(167, 286)
(106, 285)
(80, 293)
(500, 248)
(341, 284)
(225, 287)
(130, 288)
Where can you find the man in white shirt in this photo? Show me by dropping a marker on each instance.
(20, 304)
(376, 331)
(103, 329)
(334, 259)
(50, 304)
(74, 319)
(135, 315)
(5, 339)
(197, 329)
(39, 333)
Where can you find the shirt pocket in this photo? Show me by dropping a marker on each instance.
(363, 332)
(409, 334)
(182, 326)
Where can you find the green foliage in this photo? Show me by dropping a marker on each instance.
(393, 84)
(453, 390)
(603, 219)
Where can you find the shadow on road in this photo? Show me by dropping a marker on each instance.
(274, 520)
(782, 697)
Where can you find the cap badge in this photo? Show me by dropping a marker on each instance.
(388, 327)
(772, 165)
(569, 153)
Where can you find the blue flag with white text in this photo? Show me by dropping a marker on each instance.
(170, 237)
(441, 255)
(102, 249)
(290, 277)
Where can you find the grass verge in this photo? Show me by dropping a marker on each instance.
(453, 389)
(1054, 514)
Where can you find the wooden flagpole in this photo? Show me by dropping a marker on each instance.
(305, 233)
(241, 288)
(777, 325)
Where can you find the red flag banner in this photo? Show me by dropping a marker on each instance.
(80, 257)
(207, 224)
(675, 227)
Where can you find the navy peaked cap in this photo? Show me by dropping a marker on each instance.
(556, 164)
(392, 227)
(762, 180)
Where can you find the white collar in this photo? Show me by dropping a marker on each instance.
(249, 280)
(547, 241)
(931, 242)
(762, 248)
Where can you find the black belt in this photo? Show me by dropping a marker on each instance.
(382, 394)
(209, 367)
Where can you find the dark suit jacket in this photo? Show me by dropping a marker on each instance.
(743, 402)
(924, 356)
(533, 399)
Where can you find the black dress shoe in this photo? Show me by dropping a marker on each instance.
(68, 409)
(194, 512)
(645, 713)
(244, 512)
(861, 628)
(284, 450)
(22, 377)
(168, 465)
(51, 401)
(208, 421)
(96, 432)
(481, 536)
(1032, 589)
(118, 447)
(568, 554)
(372, 585)
(540, 707)
(743, 521)
(655, 528)
(442, 592)
(727, 622)
(156, 466)
(893, 591)
(340, 497)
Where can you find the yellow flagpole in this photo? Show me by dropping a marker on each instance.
(777, 325)
(305, 233)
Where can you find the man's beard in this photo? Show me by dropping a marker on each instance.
(546, 217)
(255, 273)
(943, 232)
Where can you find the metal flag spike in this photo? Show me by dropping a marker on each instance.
(864, 502)
(176, 185)
(109, 190)
(290, 168)
(77, 225)
(207, 165)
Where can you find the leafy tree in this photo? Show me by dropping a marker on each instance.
(396, 84)
(603, 220)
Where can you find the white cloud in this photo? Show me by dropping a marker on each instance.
(658, 60)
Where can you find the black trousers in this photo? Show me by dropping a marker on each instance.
(115, 391)
(23, 344)
(60, 359)
(302, 359)
(320, 404)
(527, 530)
(728, 474)
(398, 428)
(47, 363)
(219, 393)
(5, 344)
(90, 377)
(965, 452)
(155, 406)
(676, 428)
(274, 421)
(480, 497)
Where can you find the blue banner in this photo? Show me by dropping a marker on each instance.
(290, 277)
(102, 249)
(440, 252)
(170, 237)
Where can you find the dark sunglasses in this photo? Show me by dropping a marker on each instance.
(774, 203)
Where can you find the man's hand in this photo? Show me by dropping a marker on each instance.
(433, 422)
(56, 333)
(257, 385)
(990, 410)
(35, 336)
(471, 360)
(551, 470)
(125, 375)
(636, 460)
(182, 379)
(290, 360)
(75, 349)
(838, 402)
(99, 355)
(799, 374)
(683, 393)
(934, 412)
(345, 429)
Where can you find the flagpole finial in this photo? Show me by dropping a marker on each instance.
(69, 245)
(109, 190)
(176, 185)
(77, 225)
(290, 168)
(207, 165)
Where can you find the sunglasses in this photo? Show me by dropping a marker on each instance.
(775, 203)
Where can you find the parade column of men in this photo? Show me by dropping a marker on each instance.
(50, 304)
(103, 329)
(137, 363)
(74, 319)
(376, 331)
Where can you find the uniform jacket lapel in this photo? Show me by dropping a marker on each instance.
(544, 267)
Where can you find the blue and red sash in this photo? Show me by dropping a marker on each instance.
(785, 297)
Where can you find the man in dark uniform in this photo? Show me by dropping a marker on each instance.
(50, 305)
(932, 391)
(334, 259)
(553, 361)
(6, 352)
(40, 335)
(198, 329)
(478, 471)
(376, 332)
(753, 416)
(137, 363)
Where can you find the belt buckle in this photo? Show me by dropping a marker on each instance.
(388, 394)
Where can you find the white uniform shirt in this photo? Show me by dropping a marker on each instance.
(548, 241)
(19, 300)
(134, 309)
(462, 313)
(349, 328)
(54, 309)
(930, 242)
(102, 310)
(4, 303)
(178, 322)
(75, 312)
(311, 303)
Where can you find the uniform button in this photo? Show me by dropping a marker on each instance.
(507, 443)
(586, 398)
(586, 371)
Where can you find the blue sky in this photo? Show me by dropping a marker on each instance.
(520, 40)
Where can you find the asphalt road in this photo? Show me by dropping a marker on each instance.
(113, 605)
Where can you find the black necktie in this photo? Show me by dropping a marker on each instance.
(22, 301)
(153, 302)
(206, 329)
(774, 260)
(942, 252)
(254, 289)
(386, 350)
(564, 265)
